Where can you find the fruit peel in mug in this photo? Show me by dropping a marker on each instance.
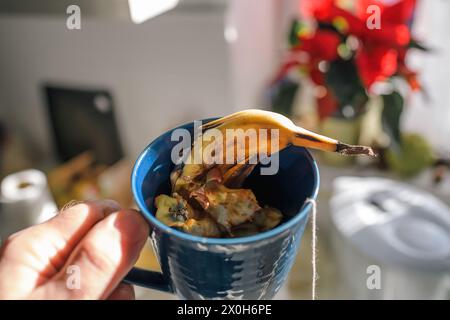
(207, 199)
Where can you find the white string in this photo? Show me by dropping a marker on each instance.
(315, 276)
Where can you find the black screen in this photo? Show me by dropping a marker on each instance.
(84, 120)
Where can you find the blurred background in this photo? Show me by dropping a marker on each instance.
(86, 85)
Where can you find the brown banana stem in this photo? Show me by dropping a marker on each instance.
(313, 140)
(348, 149)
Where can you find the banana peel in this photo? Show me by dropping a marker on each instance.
(177, 213)
(212, 186)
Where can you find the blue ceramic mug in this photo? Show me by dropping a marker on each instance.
(253, 267)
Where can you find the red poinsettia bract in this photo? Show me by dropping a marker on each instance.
(377, 55)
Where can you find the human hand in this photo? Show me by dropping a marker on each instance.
(81, 253)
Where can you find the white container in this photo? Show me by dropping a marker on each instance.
(392, 241)
(24, 201)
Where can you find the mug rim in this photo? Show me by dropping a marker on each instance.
(218, 241)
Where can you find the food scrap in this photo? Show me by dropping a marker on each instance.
(207, 198)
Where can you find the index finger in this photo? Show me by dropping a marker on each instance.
(38, 252)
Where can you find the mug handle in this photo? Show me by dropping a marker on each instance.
(148, 279)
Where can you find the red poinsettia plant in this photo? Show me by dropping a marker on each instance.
(347, 51)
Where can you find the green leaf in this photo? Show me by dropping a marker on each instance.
(293, 33)
(283, 95)
(417, 45)
(343, 79)
(390, 117)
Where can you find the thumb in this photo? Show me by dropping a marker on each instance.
(101, 259)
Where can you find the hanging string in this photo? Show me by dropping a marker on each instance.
(313, 247)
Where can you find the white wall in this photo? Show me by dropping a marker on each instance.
(255, 51)
(431, 117)
(171, 69)
(161, 73)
